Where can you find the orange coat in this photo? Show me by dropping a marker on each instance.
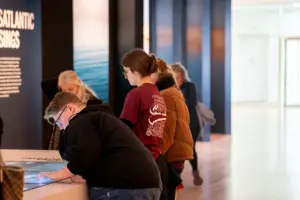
(177, 137)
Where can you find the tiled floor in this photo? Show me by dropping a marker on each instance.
(259, 161)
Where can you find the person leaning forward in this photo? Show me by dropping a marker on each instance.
(102, 150)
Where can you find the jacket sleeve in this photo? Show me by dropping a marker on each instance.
(170, 126)
(190, 95)
(83, 151)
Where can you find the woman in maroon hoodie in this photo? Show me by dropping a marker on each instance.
(144, 108)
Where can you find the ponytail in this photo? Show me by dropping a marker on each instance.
(153, 64)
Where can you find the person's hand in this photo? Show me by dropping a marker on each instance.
(59, 175)
(77, 179)
(53, 175)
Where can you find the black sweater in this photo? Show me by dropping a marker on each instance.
(105, 152)
(61, 145)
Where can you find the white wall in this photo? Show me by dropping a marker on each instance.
(273, 24)
(249, 72)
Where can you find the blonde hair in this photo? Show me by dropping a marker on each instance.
(59, 102)
(178, 67)
(84, 91)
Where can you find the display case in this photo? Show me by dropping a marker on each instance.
(40, 187)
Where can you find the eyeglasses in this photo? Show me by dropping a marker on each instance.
(52, 121)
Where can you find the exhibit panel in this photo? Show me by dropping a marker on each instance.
(21, 73)
(37, 187)
(91, 44)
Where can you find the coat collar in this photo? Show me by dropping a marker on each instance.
(165, 82)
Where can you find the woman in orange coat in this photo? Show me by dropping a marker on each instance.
(177, 137)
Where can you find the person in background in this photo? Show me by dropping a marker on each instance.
(144, 108)
(190, 94)
(103, 150)
(177, 137)
(68, 81)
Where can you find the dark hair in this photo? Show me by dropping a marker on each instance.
(139, 61)
(162, 66)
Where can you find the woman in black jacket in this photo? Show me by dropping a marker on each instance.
(190, 94)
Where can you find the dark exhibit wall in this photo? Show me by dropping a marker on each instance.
(126, 33)
(198, 49)
(194, 42)
(21, 73)
(203, 47)
(57, 47)
(221, 64)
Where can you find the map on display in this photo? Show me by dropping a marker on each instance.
(32, 170)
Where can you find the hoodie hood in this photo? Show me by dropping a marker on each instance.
(94, 109)
(98, 108)
(165, 81)
(94, 101)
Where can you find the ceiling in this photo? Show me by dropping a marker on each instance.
(266, 5)
(263, 2)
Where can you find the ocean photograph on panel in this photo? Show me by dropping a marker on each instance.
(91, 44)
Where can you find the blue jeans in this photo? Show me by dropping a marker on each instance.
(99, 193)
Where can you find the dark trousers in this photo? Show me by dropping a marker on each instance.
(172, 185)
(170, 178)
(194, 162)
(164, 175)
(100, 193)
